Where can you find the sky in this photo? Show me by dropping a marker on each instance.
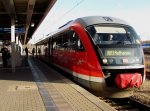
(135, 12)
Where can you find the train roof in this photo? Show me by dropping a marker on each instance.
(90, 20)
(87, 21)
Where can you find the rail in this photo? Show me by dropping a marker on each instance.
(126, 104)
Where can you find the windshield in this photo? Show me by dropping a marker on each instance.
(113, 34)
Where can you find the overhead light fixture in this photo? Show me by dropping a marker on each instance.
(32, 24)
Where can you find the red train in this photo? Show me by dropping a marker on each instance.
(103, 54)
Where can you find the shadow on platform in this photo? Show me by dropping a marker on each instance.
(22, 73)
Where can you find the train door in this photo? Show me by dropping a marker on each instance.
(82, 70)
(54, 51)
(45, 51)
(65, 52)
(71, 54)
(50, 50)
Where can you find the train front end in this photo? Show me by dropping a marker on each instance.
(120, 56)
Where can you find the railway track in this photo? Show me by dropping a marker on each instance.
(126, 104)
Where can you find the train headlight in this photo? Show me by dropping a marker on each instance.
(105, 61)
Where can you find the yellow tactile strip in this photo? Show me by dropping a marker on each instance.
(47, 100)
(20, 96)
(58, 99)
(77, 101)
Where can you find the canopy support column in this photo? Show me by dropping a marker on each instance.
(13, 45)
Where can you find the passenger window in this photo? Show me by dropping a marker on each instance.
(54, 43)
(65, 41)
(68, 41)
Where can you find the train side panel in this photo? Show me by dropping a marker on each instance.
(80, 61)
(87, 63)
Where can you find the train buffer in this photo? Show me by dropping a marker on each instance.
(37, 87)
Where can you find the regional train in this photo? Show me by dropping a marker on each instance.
(103, 54)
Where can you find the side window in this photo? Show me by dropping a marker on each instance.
(54, 43)
(75, 42)
(68, 41)
(61, 42)
(58, 42)
(65, 41)
(46, 49)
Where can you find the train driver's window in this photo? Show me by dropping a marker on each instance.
(77, 44)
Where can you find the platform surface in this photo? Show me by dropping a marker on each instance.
(37, 87)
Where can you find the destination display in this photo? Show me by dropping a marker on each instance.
(118, 52)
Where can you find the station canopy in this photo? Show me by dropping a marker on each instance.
(26, 14)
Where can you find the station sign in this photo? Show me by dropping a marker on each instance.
(8, 30)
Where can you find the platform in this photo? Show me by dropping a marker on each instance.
(37, 87)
